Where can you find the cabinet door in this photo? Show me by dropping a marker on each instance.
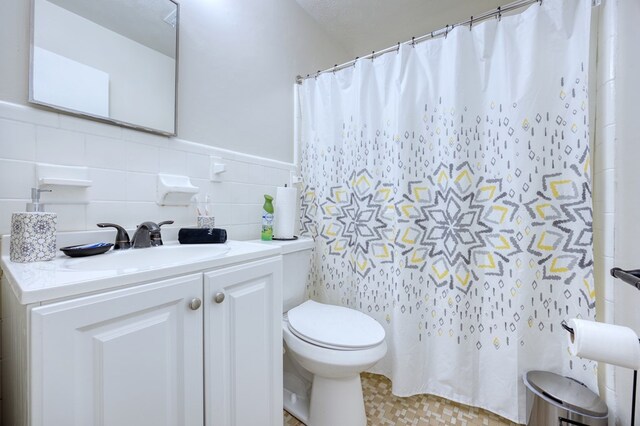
(243, 345)
(127, 357)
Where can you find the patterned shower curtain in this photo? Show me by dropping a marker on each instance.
(448, 189)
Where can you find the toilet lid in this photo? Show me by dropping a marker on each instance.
(334, 327)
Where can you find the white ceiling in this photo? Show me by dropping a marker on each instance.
(138, 20)
(361, 26)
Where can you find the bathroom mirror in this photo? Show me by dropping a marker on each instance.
(109, 60)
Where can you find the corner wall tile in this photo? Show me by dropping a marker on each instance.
(605, 114)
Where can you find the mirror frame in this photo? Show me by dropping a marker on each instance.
(96, 117)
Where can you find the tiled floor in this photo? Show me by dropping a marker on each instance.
(383, 408)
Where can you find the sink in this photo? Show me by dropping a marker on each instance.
(153, 257)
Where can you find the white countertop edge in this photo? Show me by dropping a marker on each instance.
(95, 285)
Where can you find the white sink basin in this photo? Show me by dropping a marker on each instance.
(146, 258)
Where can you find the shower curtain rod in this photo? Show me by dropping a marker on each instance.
(497, 13)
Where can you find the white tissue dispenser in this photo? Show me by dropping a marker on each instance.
(33, 233)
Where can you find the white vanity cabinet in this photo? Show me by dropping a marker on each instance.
(192, 345)
(243, 315)
(127, 357)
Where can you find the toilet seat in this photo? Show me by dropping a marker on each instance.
(334, 327)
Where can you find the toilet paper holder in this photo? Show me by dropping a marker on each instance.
(630, 277)
(564, 325)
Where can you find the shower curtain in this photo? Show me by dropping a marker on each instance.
(448, 189)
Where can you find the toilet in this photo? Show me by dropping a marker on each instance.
(326, 347)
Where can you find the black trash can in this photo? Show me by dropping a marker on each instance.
(553, 400)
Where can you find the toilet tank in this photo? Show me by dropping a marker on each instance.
(296, 264)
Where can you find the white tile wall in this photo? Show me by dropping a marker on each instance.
(123, 165)
(604, 188)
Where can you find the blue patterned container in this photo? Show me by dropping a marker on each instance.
(33, 236)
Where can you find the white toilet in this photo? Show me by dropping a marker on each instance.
(326, 349)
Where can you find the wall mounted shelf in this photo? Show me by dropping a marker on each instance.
(175, 190)
(55, 175)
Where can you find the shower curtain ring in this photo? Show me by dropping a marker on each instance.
(355, 61)
(373, 55)
(413, 42)
(317, 74)
(334, 68)
(446, 31)
(470, 22)
(499, 14)
(398, 49)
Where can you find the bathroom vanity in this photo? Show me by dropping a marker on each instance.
(171, 335)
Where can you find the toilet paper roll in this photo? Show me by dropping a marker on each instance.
(608, 343)
(285, 212)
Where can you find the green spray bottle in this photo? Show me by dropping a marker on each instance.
(267, 218)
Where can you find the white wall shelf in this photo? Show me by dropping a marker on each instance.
(55, 175)
(175, 190)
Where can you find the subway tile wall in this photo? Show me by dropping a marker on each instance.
(604, 188)
(123, 166)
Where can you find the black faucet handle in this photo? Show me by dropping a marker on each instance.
(156, 237)
(122, 237)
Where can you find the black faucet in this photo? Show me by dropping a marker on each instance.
(148, 234)
(122, 237)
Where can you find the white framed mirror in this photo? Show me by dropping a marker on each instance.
(113, 61)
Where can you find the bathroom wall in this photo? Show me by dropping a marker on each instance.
(603, 184)
(626, 185)
(123, 165)
(238, 61)
(616, 201)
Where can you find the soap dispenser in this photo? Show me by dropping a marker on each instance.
(33, 233)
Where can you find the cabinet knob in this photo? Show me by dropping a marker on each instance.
(195, 304)
(219, 297)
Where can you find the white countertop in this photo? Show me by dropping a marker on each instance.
(65, 277)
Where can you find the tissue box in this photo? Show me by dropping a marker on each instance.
(33, 236)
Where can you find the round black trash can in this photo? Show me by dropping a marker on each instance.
(556, 400)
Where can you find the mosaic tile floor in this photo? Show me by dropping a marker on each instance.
(383, 408)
